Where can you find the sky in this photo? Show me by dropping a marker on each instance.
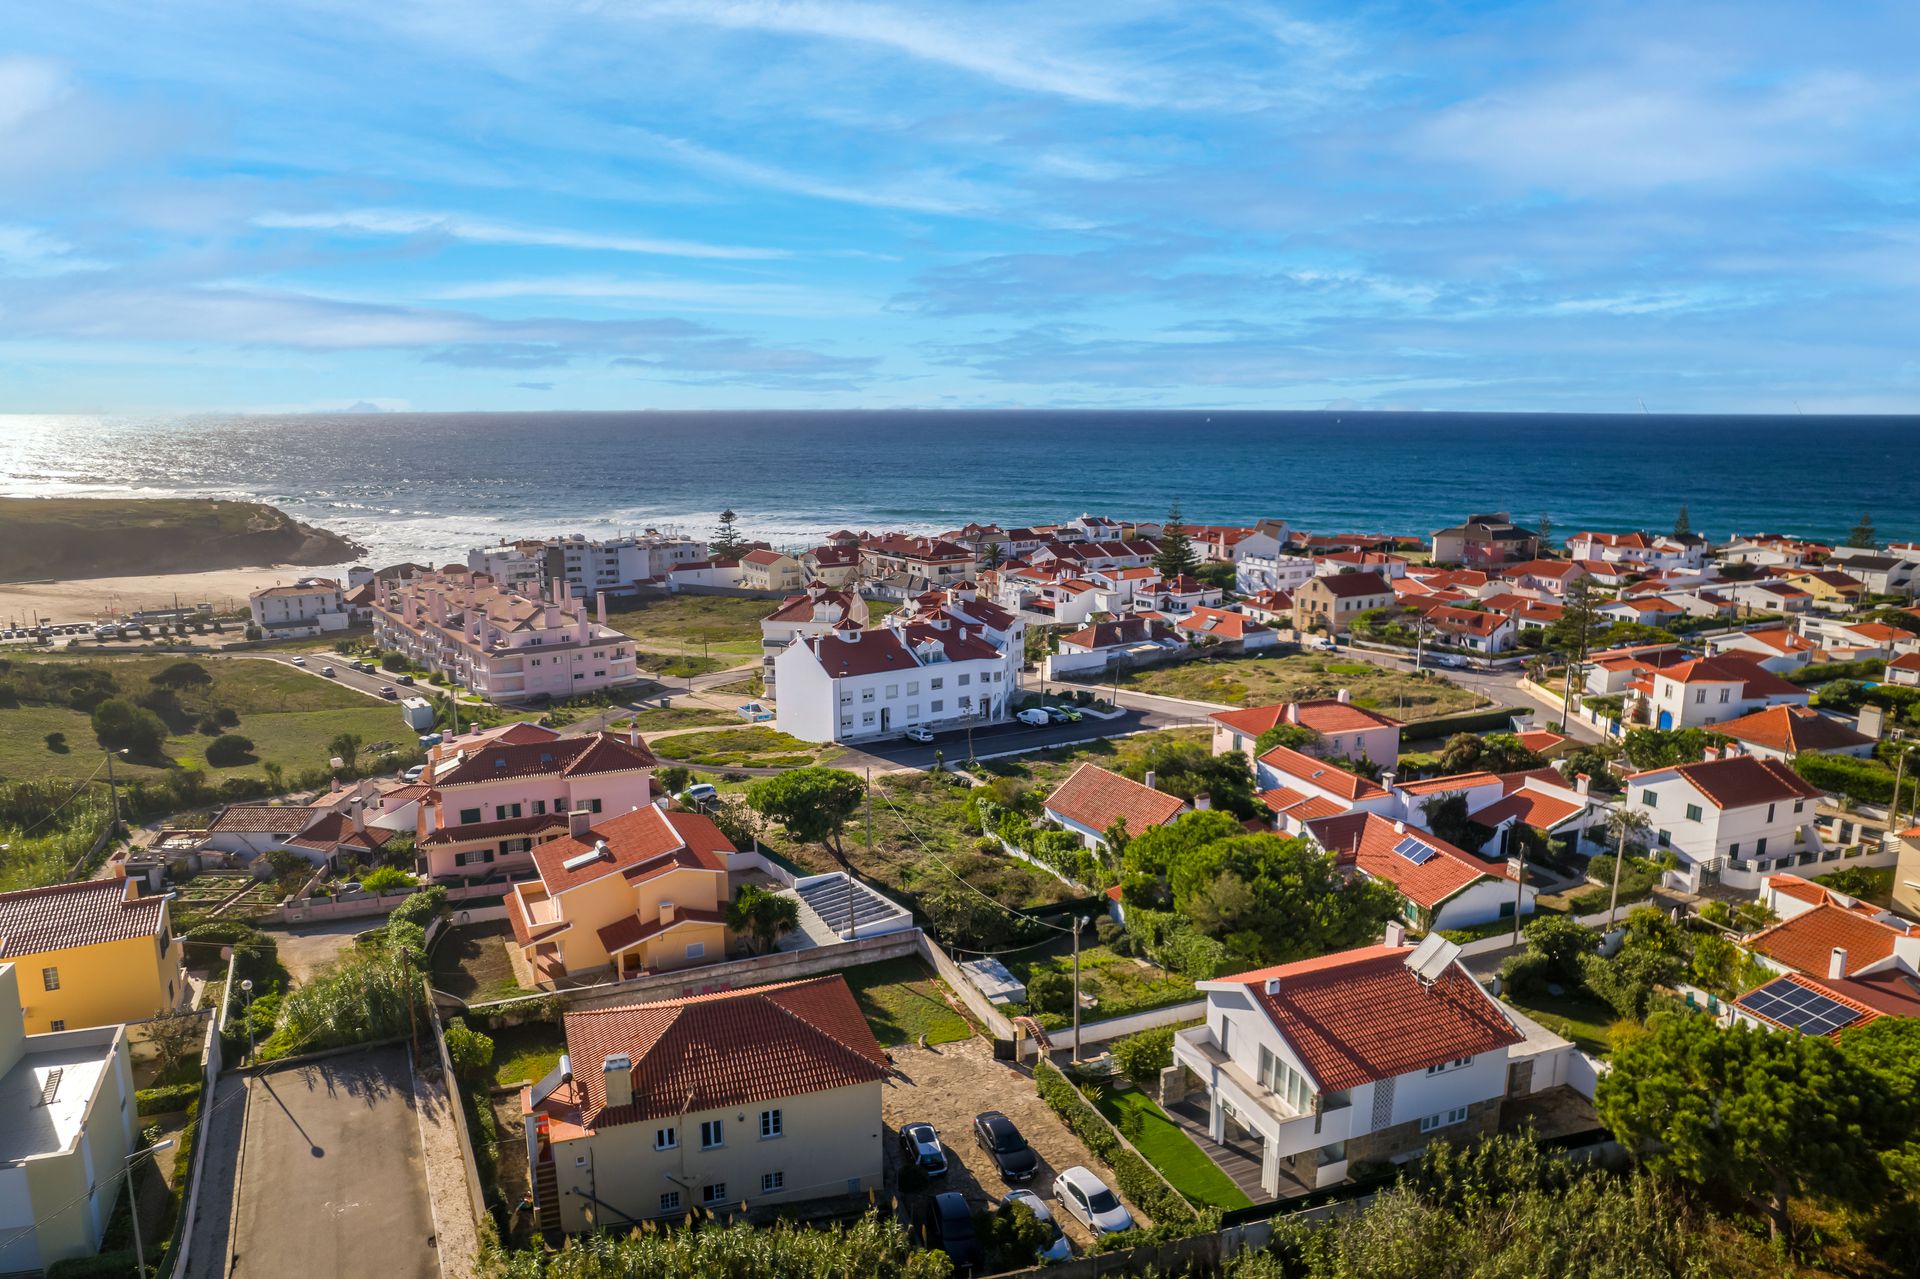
(629, 204)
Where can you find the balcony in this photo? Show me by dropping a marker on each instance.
(1284, 1130)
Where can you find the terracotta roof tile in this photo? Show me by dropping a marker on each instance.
(1369, 840)
(1320, 774)
(635, 842)
(1095, 798)
(628, 931)
(36, 920)
(1792, 729)
(261, 819)
(1806, 942)
(559, 757)
(1740, 781)
(1322, 715)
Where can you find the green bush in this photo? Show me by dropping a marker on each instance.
(383, 879)
(1865, 780)
(1822, 672)
(171, 1097)
(470, 1051)
(421, 908)
(1145, 1055)
(229, 749)
(1526, 973)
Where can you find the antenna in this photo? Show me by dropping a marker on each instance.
(1433, 956)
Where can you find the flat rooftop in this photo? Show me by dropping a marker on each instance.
(41, 1114)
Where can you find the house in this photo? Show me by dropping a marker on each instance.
(1345, 730)
(1182, 594)
(1647, 610)
(1274, 608)
(1837, 942)
(768, 1095)
(311, 606)
(1528, 614)
(1771, 550)
(505, 646)
(1630, 669)
(1541, 798)
(1391, 567)
(1879, 573)
(1297, 788)
(94, 953)
(496, 796)
(832, 565)
(1279, 572)
(247, 830)
(713, 572)
(1830, 588)
(68, 1121)
(1092, 799)
(642, 892)
(1331, 603)
(1440, 885)
(1549, 577)
(816, 612)
(1906, 873)
(1482, 631)
(1232, 632)
(1103, 644)
(1904, 670)
(1363, 1056)
(1485, 541)
(1781, 732)
(1765, 597)
(858, 682)
(1737, 817)
(769, 570)
(1775, 648)
(1711, 690)
(915, 563)
(1233, 545)
(1857, 641)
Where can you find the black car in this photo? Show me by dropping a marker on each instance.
(920, 1144)
(1000, 1139)
(950, 1229)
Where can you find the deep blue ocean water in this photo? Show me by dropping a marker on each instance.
(428, 486)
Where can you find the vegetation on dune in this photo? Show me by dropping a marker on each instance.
(126, 537)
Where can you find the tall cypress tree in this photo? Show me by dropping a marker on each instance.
(726, 541)
(1863, 533)
(1682, 523)
(1176, 554)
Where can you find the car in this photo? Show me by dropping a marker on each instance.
(1005, 1146)
(1449, 661)
(299, 661)
(919, 733)
(950, 1229)
(389, 692)
(699, 793)
(1035, 716)
(327, 671)
(1057, 1248)
(1087, 1197)
(405, 681)
(920, 1145)
(413, 774)
(1073, 714)
(1058, 714)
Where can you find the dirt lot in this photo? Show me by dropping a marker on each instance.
(946, 1087)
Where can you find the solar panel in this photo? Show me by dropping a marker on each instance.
(1808, 1011)
(1414, 851)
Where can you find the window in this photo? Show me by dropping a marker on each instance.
(696, 949)
(772, 1181)
(771, 1125)
(666, 1139)
(937, 705)
(1648, 798)
(1284, 1082)
(1725, 693)
(913, 688)
(1666, 837)
(670, 1202)
(936, 682)
(50, 978)
(1733, 849)
(1445, 1066)
(966, 679)
(716, 1193)
(587, 806)
(866, 717)
(712, 1134)
(893, 691)
(1770, 808)
(468, 816)
(539, 808)
(60, 1024)
(1760, 847)
(1455, 1116)
(866, 694)
(1799, 804)
(1693, 812)
(1699, 696)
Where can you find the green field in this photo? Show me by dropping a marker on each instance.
(1119, 984)
(661, 719)
(1579, 1017)
(710, 624)
(524, 1054)
(681, 665)
(1161, 1142)
(902, 1000)
(289, 715)
(749, 746)
(1259, 681)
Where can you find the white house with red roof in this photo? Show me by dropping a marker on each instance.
(1781, 732)
(1440, 884)
(1735, 817)
(1766, 596)
(1297, 788)
(1092, 799)
(862, 683)
(1278, 572)
(1779, 649)
(1550, 577)
(1904, 670)
(816, 612)
(1345, 730)
(1711, 690)
(1478, 630)
(1223, 629)
(1362, 1056)
(310, 606)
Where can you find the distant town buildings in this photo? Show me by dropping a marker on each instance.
(311, 606)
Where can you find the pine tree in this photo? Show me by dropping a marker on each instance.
(1682, 523)
(1545, 530)
(1863, 534)
(1176, 555)
(726, 542)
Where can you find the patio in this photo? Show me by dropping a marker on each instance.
(1238, 1156)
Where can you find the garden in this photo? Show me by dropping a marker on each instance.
(902, 1000)
(471, 962)
(748, 746)
(1257, 680)
(1111, 984)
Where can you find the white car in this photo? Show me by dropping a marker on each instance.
(299, 661)
(919, 734)
(1057, 1249)
(699, 793)
(1087, 1197)
(1035, 716)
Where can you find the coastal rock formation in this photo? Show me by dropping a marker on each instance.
(59, 538)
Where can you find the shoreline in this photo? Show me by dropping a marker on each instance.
(90, 599)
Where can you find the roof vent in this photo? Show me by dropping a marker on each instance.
(1273, 985)
(580, 861)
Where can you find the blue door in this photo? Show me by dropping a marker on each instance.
(1666, 720)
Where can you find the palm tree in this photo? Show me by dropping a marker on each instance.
(346, 746)
(762, 915)
(1626, 825)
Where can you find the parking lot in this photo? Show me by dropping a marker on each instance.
(946, 1087)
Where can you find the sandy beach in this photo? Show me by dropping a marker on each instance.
(97, 598)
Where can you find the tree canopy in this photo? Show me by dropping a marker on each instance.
(120, 725)
(1664, 747)
(812, 803)
(1187, 769)
(1176, 554)
(1494, 753)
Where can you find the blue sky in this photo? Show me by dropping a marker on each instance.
(446, 204)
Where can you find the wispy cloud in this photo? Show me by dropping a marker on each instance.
(26, 250)
(455, 226)
(759, 298)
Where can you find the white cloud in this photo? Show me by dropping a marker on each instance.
(922, 193)
(28, 86)
(402, 222)
(26, 250)
(684, 295)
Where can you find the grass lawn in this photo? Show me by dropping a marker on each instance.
(1254, 681)
(903, 1000)
(681, 665)
(660, 719)
(526, 1053)
(749, 745)
(472, 962)
(720, 624)
(1167, 1148)
(746, 686)
(1047, 769)
(287, 713)
(1119, 984)
(1579, 1017)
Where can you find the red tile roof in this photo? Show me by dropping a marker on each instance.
(506, 828)
(1540, 740)
(1220, 622)
(1905, 662)
(1792, 729)
(261, 819)
(1447, 784)
(1095, 798)
(1466, 621)
(335, 831)
(733, 1048)
(1732, 668)
(1532, 807)
(1353, 585)
(1322, 715)
(1740, 781)
(1318, 773)
(1361, 1016)
(1369, 840)
(628, 931)
(639, 844)
(90, 913)
(876, 650)
(558, 757)
(1805, 943)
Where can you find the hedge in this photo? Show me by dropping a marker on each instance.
(1138, 1179)
(1865, 780)
(1821, 672)
(1637, 880)
(1500, 717)
(159, 1101)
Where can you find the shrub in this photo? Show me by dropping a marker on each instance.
(170, 1097)
(385, 879)
(420, 908)
(57, 743)
(226, 717)
(470, 1051)
(1145, 1055)
(229, 749)
(1138, 1181)
(120, 725)
(117, 1264)
(1106, 931)
(1526, 973)
(1050, 991)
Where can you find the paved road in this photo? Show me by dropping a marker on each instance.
(999, 739)
(332, 1178)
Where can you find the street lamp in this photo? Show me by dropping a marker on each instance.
(246, 989)
(139, 1251)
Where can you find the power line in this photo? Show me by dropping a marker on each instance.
(28, 830)
(960, 879)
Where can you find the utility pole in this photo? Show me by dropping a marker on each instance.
(1519, 865)
(1619, 856)
(133, 1172)
(1078, 920)
(849, 873)
(1893, 810)
(113, 791)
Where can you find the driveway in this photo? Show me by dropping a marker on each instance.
(310, 947)
(332, 1179)
(946, 1087)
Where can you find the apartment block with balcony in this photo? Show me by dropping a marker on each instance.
(816, 612)
(932, 672)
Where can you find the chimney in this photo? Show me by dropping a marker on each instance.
(1151, 779)
(1710, 754)
(1400, 826)
(600, 607)
(1396, 933)
(359, 818)
(1202, 802)
(1581, 782)
(1293, 712)
(579, 822)
(666, 912)
(633, 732)
(1872, 722)
(1273, 985)
(1837, 964)
(1343, 697)
(1388, 779)
(1906, 949)
(617, 1071)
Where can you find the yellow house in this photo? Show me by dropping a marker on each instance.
(768, 1095)
(90, 954)
(67, 1123)
(1829, 586)
(643, 892)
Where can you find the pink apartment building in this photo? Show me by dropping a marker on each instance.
(498, 794)
(505, 646)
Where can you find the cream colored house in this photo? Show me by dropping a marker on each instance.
(642, 892)
(765, 570)
(67, 1123)
(769, 1095)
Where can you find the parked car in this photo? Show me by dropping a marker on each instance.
(327, 671)
(413, 774)
(299, 661)
(1035, 716)
(1058, 1248)
(406, 681)
(950, 1229)
(1003, 1143)
(1087, 1197)
(1449, 661)
(919, 733)
(920, 1144)
(1058, 714)
(699, 793)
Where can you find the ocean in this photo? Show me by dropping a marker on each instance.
(428, 486)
